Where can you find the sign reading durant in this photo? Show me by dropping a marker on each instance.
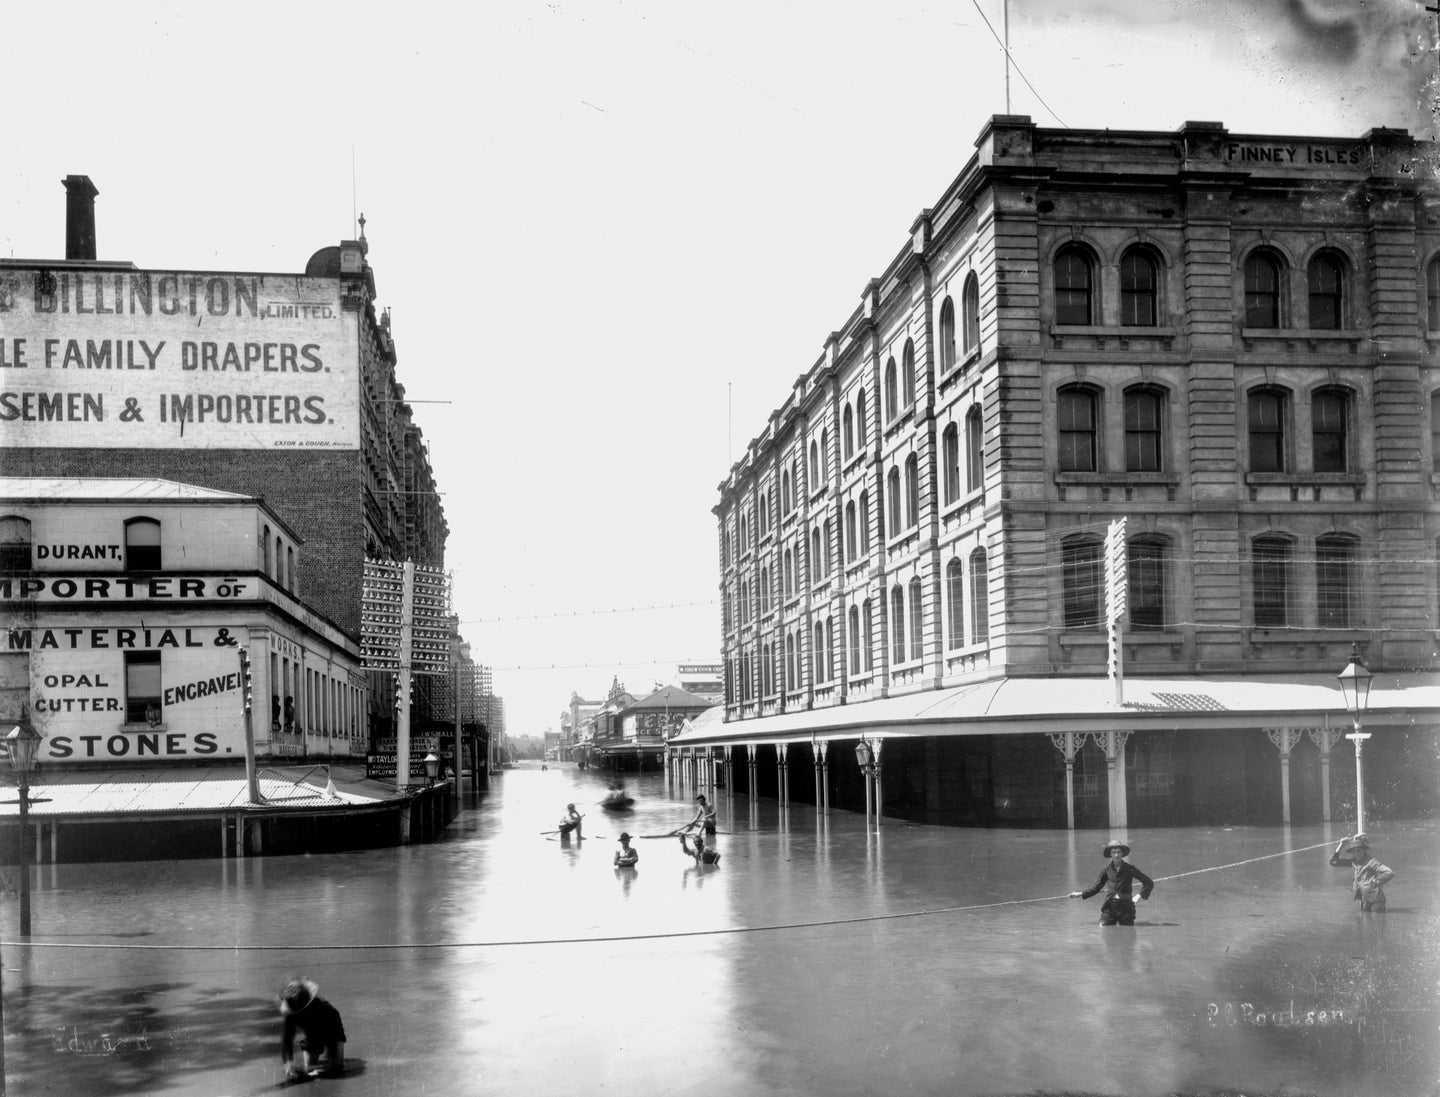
(164, 359)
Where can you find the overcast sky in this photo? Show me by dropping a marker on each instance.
(611, 234)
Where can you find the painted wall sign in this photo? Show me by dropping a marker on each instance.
(161, 359)
(1246, 152)
(125, 588)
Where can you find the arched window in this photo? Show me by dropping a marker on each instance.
(142, 544)
(892, 501)
(817, 653)
(822, 470)
(1337, 587)
(979, 598)
(1329, 430)
(744, 600)
(892, 391)
(974, 450)
(764, 590)
(828, 546)
(1137, 289)
(1325, 280)
(955, 604)
(1077, 417)
(265, 549)
(917, 621)
(850, 541)
(865, 523)
(862, 431)
(786, 493)
(907, 369)
(1074, 287)
(1267, 409)
(1262, 291)
(868, 641)
(897, 625)
(1082, 578)
(744, 534)
(1435, 431)
(789, 661)
(854, 639)
(15, 551)
(765, 686)
(1147, 569)
(1144, 410)
(1432, 296)
(292, 576)
(912, 491)
(970, 314)
(788, 578)
(797, 483)
(1270, 576)
(950, 461)
(848, 435)
(947, 336)
(816, 559)
(829, 649)
(764, 514)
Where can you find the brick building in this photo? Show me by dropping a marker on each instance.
(1226, 340)
(275, 387)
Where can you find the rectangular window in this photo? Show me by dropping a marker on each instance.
(142, 687)
(1271, 574)
(1334, 584)
(1077, 431)
(1147, 585)
(1267, 432)
(14, 686)
(1327, 431)
(1142, 432)
(1083, 579)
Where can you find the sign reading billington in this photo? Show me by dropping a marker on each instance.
(165, 359)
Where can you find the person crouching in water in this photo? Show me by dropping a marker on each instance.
(1115, 879)
(625, 857)
(1370, 874)
(570, 821)
(322, 1031)
(703, 855)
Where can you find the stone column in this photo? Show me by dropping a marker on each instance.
(1113, 744)
(1285, 739)
(783, 768)
(1069, 743)
(1325, 738)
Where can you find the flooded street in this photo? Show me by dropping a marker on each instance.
(816, 959)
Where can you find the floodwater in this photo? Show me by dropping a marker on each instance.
(816, 959)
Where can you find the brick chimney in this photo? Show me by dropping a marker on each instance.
(79, 217)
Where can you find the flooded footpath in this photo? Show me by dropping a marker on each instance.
(818, 958)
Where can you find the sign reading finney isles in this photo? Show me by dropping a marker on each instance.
(159, 359)
(1253, 152)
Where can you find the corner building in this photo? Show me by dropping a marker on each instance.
(1226, 340)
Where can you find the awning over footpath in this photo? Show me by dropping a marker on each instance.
(1029, 706)
(197, 791)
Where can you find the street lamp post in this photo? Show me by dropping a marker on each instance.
(21, 741)
(432, 768)
(866, 757)
(1355, 685)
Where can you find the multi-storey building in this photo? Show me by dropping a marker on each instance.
(279, 387)
(1226, 341)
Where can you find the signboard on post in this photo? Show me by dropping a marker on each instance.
(1117, 581)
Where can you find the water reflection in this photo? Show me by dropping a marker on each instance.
(498, 960)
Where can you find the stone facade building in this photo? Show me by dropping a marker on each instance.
(1226, 341)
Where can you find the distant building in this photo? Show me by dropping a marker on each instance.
(1228, 341)
(703, 679)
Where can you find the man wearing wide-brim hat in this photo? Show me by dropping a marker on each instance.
(1115, 881)
(1370, 874)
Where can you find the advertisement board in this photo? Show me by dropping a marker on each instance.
(166, 359)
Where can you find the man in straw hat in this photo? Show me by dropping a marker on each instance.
(320, 1025)
(1115, 881)
(1370, 874)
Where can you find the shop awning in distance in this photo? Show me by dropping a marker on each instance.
(1029, 706)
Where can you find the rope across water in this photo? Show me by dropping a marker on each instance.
(615, 938)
